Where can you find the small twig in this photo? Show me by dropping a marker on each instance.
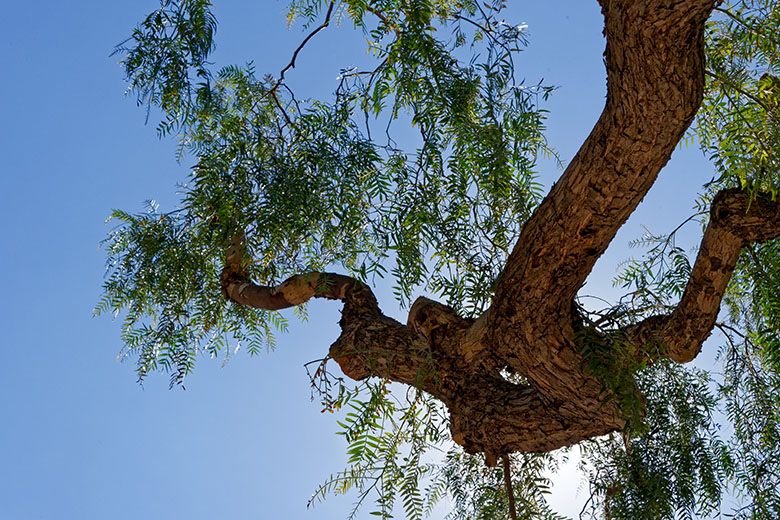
(487, 30)
(385, 20)
(509, 491)
(724, 328)
(281, 109)
(311, 35)
(752, 252)
(272, 91)
(293, 99)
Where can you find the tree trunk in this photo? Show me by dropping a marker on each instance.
(655, 78)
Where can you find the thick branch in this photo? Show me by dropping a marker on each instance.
(487, 413)
(437, 352)
(371, 344)
(296, 290)
(735, 220)
(495, 416)
(655, 78)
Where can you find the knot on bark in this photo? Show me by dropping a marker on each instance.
(231, 277)
(471, 427)
(426, 317)
(752, 218)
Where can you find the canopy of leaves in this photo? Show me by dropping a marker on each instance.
(323, 183)
(739, 123)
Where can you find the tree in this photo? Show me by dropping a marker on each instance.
(513, 366)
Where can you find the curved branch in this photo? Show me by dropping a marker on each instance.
(296, 290)
(655, 78)
(655, 81)
(237, 287)
(735, 221)
(439, 352)
(423, 354)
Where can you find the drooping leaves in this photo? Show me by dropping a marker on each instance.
(307, 185)
(325, 182)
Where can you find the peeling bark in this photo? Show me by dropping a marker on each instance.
(655, 77)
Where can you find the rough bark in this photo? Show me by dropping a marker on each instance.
(735, 221)
(655, 76)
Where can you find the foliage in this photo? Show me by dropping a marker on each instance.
(388, 439)
(739, 122)
(656, 282)
(324, 183)
(677, 467)
(478, 492)
(740, 127)
(166, 329)
(751, 384)
(306, 183)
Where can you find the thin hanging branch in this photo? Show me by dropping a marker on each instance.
(311, 35)
(509, 491)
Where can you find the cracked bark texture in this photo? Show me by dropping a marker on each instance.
(655, 75)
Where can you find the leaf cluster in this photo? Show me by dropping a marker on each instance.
(751, 380)
(676, 468)
(168, 296)
(739, 121)
(393, 448)
(479, 492)
(387, 439)
(305, 182)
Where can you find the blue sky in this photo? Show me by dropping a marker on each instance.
(79, 438)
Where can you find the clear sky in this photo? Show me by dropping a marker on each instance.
(79, 439)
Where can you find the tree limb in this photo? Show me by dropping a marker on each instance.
(237, 287)
(736, 220)
(311, 35)
(296, 290)
(440, 353)
(655, 80)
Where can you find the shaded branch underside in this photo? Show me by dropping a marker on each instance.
(655, 65)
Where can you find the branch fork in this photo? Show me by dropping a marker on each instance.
(655, 69)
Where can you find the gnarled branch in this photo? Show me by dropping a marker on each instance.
(298, 289)
(439, 352)
(735, 221)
